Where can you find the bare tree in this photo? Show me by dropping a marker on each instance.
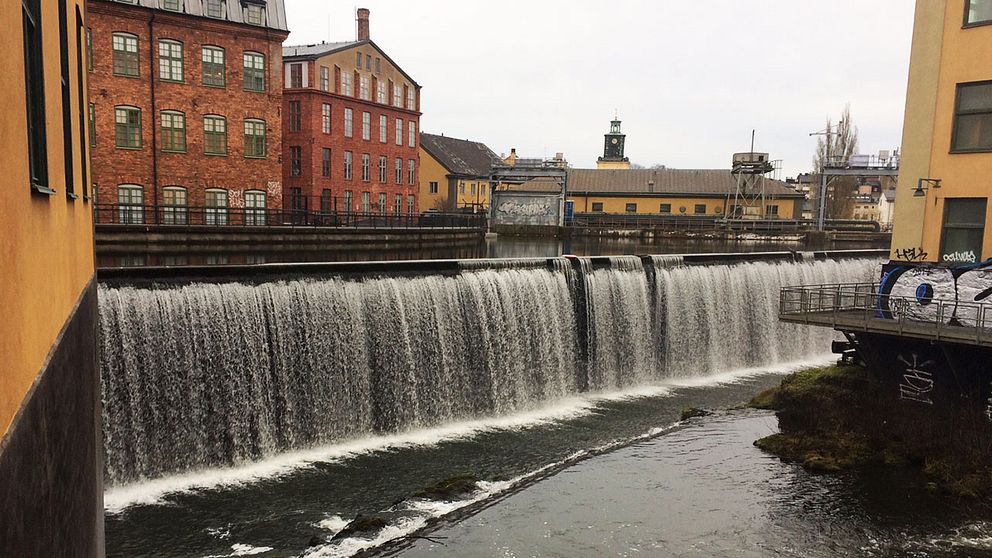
(835, 147)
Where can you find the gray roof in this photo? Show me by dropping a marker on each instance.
(460, 157)
(706, 182)
(308, 51)
(890, 195)
(234, 10)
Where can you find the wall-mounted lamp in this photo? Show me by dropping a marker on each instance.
(923, 185)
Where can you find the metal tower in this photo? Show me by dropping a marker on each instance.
(749, 171)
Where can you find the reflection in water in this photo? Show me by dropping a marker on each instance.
(498, 247)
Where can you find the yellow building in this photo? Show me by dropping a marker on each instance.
(670, 192)
(50, 453)
(947, 136)
(454, 173)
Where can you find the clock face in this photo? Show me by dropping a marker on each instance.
(614, 141)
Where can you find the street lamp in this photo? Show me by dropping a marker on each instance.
(923, 184)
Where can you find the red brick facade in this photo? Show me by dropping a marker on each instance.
(328, 193)
(150, 166)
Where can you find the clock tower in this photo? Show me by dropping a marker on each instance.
(613, 149)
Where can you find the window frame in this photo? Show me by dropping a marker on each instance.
(252, 139)
(249, 7)
(962, 226)
(171, 130)
(175, 213)
(126, 61)
(325, 78)
(965, 24)
(295, 75)
(366, 167)
(253, 74)
(349, 162)
(366, 126)
(325, 117)
(398, 170)
(208, 4)
(255, 215)
(170, 62)
(349, 123)
(383, 165)
(958, 113)
(178, 5)
(597, 207)
(215, 214)
(129, 125)
(215, 118)
(383, 128)
(411, 172)
(325, 162)
(630, 207)
(699, 209)
(432, 187)
(295, 116)
(131, 212)
(204, 65)
(295, 160)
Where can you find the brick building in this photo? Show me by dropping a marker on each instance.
(185, 100)
(351, 118)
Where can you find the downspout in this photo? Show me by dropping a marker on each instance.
(154, 120)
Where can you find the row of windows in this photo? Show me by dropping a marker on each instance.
(131, 210)
(403, 96)
(473, 188)
(252, 14)
(296, 166)
(127, 132)
(326, 202)
(666, 209)
(296, 124)
(171, 62)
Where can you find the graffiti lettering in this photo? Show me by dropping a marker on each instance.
(911, 254)
(917, 383)
(961, 257)
(528, 209)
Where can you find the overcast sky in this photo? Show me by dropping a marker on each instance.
(689, 78)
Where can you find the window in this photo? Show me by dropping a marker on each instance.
(170, 60)
(254, 15)
(130, 199)
(380, 93)
(213, 66)
(412, 134)
(461, 188)
(347, 201)
(378, 65)
(92, 125)
(349, 120)
(364, 88)
(173, 131)
(255, 138)
(67, 144)
(325, 161)
(398, 204)
(365, 202)
(295, 160)
(358, 60)
(411, 201)
(382, 169)
(411, 171)
(127, 127)
(325, 78)
(964, 227)
(383, 128)
(216, 211)
(977, 12)
(699, 209)
(346, 86)
(295, 119)
(296, 75)
(214, 8)
(174, 210)
(214, 135)
(973, 118)
(382, 202)
(368, 61)
(597, 206)
(399, 170)
(398, 96)
(325, 117)
(665, 208)
(366, 170)
(125, 54)
(399, 131)
(254, 208)
(631, 208)
(410, 98)
(366, 125)
(472, 186)
(172, 5)
(254, 71)
(81, 103)
(347, 165)
(89, 49)
(432, 187)
(325, 201)
(771, 210)
(34, 75)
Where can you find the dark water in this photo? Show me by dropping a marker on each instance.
(700, 490)
(500, 247)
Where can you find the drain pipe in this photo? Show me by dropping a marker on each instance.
(154, 121)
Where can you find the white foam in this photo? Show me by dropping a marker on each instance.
(117, 498)
(242, 550)
(333, 523)
(353, 545)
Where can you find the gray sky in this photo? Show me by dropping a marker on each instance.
(689, 78)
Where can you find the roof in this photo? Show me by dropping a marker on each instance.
(234, 10)
(540, 184)
(666, 181)
(890, 195)
(460, 157)
(314, 51)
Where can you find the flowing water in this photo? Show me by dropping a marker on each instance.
(261, 415)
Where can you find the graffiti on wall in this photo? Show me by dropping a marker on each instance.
(948, 295)
(530, 208)
(917, 381)
(911, 254)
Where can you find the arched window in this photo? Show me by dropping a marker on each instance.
(173, 131)
(170, 60)
(214, 135)
(174, 206)
(254, 71)
(216, 211)
(254, 138)
(213, 66)
(254, 208)
(127, 127)
(125, 47)
(130, 201)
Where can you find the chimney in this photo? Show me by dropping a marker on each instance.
(363, 24)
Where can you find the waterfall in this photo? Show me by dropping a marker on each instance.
(208, 374)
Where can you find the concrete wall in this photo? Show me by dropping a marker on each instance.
(526, 208)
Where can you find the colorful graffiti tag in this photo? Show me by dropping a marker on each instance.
(949, 295)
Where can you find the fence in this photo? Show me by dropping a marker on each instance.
(136, 214)
(704, 223)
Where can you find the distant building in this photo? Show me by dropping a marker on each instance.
(947, 137)
(351, 118)
(886, 208)
(454, 173)
(613, 157)
(185, 109)
(51, 473)
(670, 192)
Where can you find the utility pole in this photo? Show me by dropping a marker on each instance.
(822, 202)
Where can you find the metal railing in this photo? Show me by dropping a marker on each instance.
(709, 223)
(140, 215)
(862, 306)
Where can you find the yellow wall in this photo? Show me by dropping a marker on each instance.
(467, 198)
(651, 205)
(943, 55)
(345, 60)
(600, 164)
(46, 241)
(432, 171)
